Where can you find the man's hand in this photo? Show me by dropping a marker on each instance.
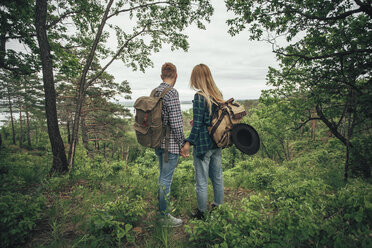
(185, 150)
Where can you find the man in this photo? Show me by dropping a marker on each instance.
(172, 116)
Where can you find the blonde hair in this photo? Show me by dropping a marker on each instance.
(202, 80)
(168, 70)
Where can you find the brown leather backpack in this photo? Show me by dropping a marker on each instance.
(224, 117)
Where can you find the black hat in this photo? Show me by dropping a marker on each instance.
(245, 138)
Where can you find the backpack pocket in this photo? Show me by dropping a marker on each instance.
(142, 134)
(141, 129)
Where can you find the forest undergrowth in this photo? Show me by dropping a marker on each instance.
(303, 202)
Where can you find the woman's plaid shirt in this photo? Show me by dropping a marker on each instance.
(172, 115)
(199, 136)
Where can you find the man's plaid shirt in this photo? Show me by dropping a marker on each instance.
(172, 115)
(199, 136)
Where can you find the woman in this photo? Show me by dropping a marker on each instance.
(207, 156)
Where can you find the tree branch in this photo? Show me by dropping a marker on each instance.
(63, 16)
(365, 7)
(332, 127)
(339, 54)
(321, 18)
(304, 123)
(114, 57)
(291, 9)
(138, 7)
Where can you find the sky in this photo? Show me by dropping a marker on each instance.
(238, 65)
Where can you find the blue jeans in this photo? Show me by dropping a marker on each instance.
(165, 177)
(210, 167)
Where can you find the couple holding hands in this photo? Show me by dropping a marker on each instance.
(206, 155)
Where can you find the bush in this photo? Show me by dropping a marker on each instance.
(19, 214)
(348, 222)
(114, 221)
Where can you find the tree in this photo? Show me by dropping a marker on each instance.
(153, 24)
(7, 95)
(16, 19)
(23, 21)
(326, 65)
(58, 149)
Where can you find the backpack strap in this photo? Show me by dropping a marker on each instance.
(165, 91)
(153, 92)
(217, 124)
(166, 130)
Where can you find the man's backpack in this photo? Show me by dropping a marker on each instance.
(148, 120)
(224, 117)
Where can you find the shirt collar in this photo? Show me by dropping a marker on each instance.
(165, 85)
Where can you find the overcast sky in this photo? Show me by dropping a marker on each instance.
(238, 66)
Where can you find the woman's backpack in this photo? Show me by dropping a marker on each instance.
(224, 117)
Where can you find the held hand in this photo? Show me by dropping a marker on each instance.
(185, 150)
(183, 153)
(192, 122)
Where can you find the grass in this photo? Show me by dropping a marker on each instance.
(95, 205)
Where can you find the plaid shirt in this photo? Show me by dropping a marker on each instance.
(172, 115)
(199, 136)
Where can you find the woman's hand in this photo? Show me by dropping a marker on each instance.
(185, 150)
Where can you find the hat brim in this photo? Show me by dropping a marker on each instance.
(246, 138)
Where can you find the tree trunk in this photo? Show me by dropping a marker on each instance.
(84, 135)
(113, 151)
(59, 156)
(313, 125)
(104, 149)
(265, 150)
(68, 132)
(28, 127)
(11, 118)
(126, 158)
(20, 127)
(82, 87)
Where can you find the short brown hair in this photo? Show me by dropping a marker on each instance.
(168, 70)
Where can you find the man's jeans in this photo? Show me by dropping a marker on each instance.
(209, 166)
(165, 177)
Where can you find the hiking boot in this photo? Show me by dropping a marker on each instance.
(198, 215)
(170, 221)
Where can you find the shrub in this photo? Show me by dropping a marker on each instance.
(19, 214)
(348, 222)
(114, 220)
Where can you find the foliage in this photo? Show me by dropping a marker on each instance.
(293, 210)
(148, 158)
(116, 219)
(323, 73)
(19, 214)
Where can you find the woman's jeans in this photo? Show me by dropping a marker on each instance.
(210, 166)
(165, 177)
